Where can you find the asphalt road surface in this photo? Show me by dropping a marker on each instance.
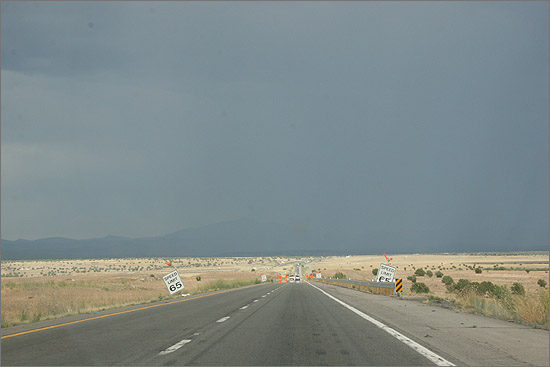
(269, 324)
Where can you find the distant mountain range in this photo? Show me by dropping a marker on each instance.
(246, 237)
(243, 237)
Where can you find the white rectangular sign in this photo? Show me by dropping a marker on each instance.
(264, 278)
(318, 275)
(385, 273)
(173, 282)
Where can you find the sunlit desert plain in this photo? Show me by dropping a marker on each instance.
(37, 290)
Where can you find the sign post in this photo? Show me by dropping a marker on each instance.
(173, 282)
(385, 273)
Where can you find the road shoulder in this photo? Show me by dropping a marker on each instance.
(469, 339)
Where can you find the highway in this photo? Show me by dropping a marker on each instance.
(268, 324)
(271, 324)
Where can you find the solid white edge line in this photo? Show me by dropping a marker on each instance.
(175, 347)
(438, 360)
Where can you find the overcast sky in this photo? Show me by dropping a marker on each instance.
(141, 118)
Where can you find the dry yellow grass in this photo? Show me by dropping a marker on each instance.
(32, 299)
(531, 308)
(27, 300)
(534, 308)
(68, 287)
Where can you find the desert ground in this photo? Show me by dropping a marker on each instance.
(525, 268)
(38, 290)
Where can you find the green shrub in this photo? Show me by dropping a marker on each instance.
(340, 275)
(420, 288)
(517, 288)
(412, 278)
(420, 272)
(37, 317)
(482, 289)
(460, 286)
(429, 273)
(502, 293)
(447, 280)
(438, 274)
(478, 270)
(375, 271)
(541, 283)
(486, 288)
(465, 288)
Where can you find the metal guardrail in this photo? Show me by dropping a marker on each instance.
(368, 284)
(386, 288)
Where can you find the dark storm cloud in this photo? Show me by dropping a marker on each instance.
(143, 118)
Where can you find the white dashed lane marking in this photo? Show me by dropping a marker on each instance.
(175, 347)
(181, 343)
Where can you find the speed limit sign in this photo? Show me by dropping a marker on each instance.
(385, 273)
(173, 282)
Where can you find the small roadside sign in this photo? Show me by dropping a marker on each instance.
(318, 275)
(385, 273)
(173, 282)
(399, 285)
(264, 278)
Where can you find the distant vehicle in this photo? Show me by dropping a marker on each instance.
(291, 279)
(297, 279)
